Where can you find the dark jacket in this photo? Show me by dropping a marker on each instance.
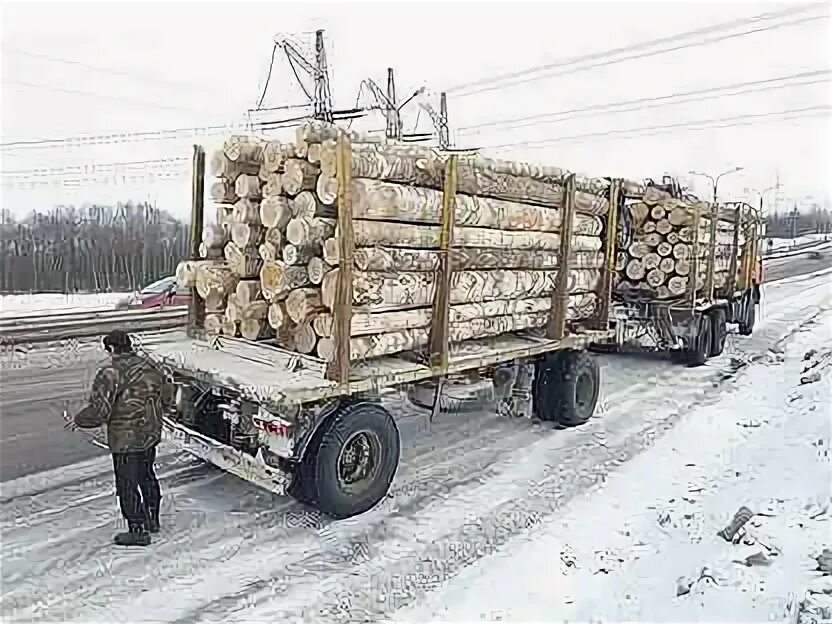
(130, 395)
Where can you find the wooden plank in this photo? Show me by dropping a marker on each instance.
(694, 263)
(196, 309)
(342, 309)
(602, 320)
(560, 297)
(732, 268)
(709, 277)
(440, 317)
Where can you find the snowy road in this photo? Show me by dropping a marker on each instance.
(468, 484)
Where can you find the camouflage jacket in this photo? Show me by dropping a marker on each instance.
(131, 395)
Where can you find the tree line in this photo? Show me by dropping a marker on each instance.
(95, 248)
(794, 223)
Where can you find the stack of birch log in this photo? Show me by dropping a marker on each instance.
(659, 259)
(278, 237)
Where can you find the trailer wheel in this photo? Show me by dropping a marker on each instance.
(349, 467)
(749, 316)
(719, 333)
(697, 355)
(566, 387)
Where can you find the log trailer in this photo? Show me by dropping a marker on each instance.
(693, 327)
(318, 430)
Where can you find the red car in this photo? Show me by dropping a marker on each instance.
(162, 294)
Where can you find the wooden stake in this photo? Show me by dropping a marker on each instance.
(196, 310)
(560, 298)
(438, 341)
(342, 310)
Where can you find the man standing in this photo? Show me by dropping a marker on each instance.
(129, 396)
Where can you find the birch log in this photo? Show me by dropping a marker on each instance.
(581, 306)
(409, 290)
(247, 186)
(275, 212)
(375, 233)
(383, 201)
(298, 175)
(394, 259)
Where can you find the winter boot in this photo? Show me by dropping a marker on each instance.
(153, 525)
(134, 537)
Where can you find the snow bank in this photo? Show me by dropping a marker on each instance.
(645, 547)
(782, 244)
(11, 305)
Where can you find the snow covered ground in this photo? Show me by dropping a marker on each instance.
(471, 489)
(782, 244)
(644, 546)
(40, 303)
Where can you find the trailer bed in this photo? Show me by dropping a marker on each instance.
(270, 375)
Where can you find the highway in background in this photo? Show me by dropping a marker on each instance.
(38, 383)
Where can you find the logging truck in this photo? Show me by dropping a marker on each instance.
(686, 270)
(255, 401)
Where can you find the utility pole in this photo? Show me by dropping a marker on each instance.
(394, 121)
(444, 139)
(715, 180)
(323, 98)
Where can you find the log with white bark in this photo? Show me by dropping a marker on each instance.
(247, 186)
(303, 304)
(222, 191)
(306, 206)
(268, 252)
(655, 278)
(298, 175)
(635, 270)
(244, 262)
(272, 186)
(220, 166)
(651, 261)
(364, 347)
(277, 279)
(384, 201)
(316, 134)
(247, 236)
(276, 315)
(275, 154)
(216, 279)
(247, 149)
(315, 231)
(300, 254)
(218, 324)
(313, 153)
(275, 212)
(316, 269)
(186, 272)
(667, 265)
(246, 211)
(254, 329)
(326, 189)
(386, 291)
(247, 291)
(380, 164)
(580, 306)
(386, 233)
(394, 259)
(303, 338)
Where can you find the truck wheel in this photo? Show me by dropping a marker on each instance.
(566, 387)
(719, 333)
(349, 467)
(746, 326)
(697, 355)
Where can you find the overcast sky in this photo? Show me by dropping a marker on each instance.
(73, 69)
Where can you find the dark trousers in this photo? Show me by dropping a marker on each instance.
(138, 488)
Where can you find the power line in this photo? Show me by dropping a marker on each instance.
(122, 98)
(662, 100)
(95, 167)
(813, 111)
(546, 70)
(114, 71)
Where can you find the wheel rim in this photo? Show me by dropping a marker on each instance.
(359, 461)
(583, 390)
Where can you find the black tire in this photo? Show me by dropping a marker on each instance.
(746, 326)
(566, 387)
(719, 333)
(324, 483)
(697, 354)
